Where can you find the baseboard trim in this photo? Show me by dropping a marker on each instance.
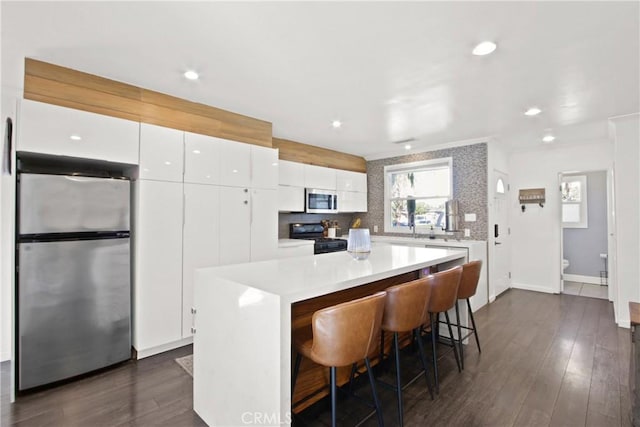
(582, 279)
(164, 347)
(534, 288)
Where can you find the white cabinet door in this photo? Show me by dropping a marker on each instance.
(291, 173)
(235, 232)
(157, 263)
(50, 129)
(319, 177)
(200, 241)
(290, 199)
(351, 181)
(352, 201)
(264, 167)
(161, 153)
(201, 159)
(264, 224)
(235, 163)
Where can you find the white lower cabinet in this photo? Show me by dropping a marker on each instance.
(235, 232)
(157, 266)
(264, 224)
(200, 238)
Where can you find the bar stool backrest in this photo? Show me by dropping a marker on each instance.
(405, 307)
(444, 289)
(346, 333)
(469, 279)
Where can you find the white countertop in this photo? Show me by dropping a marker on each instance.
(424, 240)
(291, 243)
(300, 278)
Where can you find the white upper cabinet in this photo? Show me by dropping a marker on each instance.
(50, 129)
(352, 201)
(319, 177)
(161, 153)
(264, 167)
(290, 199)
(201, 159)
(291, 174)
(235, 163)
(351, 181)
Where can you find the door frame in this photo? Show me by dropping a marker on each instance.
(611, 238)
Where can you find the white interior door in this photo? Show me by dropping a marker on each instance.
(500, 239)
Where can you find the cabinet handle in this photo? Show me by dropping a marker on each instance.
(193, 310)
(246, 202)
(246, 190)
(193, 330)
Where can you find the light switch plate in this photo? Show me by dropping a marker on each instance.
(375, 228)
(467, 232)
(469, 217)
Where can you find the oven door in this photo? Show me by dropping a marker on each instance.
(321, 201)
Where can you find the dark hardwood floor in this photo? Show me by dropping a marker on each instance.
(546, 360)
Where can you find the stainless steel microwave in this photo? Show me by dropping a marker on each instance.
(321, 201)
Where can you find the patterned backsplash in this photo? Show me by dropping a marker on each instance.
(469, 186)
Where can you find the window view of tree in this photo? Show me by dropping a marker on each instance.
(428, 185)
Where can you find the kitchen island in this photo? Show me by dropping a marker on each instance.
(245, 314)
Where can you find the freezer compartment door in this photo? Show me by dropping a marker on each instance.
(62, 204)
(74, 309)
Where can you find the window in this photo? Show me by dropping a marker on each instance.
(574, 201)
(427, 184)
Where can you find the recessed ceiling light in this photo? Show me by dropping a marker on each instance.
(484, 48)
(191, 75)
(336, 124)
(533, 111)
(167, 163)
(75, 137)
(407, 147)
(196, 151)
(235, 171)
(548, 138)
(274, 164)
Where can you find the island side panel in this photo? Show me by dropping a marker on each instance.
(237, 353)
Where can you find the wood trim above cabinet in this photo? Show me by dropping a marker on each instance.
(312, 155)
(66, 87)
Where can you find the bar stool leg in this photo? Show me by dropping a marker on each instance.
(455, 347)
(332, 380)
(473, 323)
(433, 353)
(459, 335)
(423, 359)
(376, 401)
(296, 369)
(398, 383)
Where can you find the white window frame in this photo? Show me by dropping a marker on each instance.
(408, 167)
(584, 205)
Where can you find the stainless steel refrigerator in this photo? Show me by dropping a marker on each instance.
(73, 276)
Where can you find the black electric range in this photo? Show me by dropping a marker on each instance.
(315, 232)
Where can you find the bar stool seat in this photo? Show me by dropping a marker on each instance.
(342, 335)
(444, 292)
(406, 310)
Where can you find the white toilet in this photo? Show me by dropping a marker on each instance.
(565, 264)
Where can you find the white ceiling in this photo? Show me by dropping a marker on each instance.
(388, 70)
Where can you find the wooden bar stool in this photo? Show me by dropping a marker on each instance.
(444, 293)
(405, 309)
(343, 334)
(467, 289)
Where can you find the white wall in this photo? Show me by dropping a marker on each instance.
(535, 233)
(626, 136)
